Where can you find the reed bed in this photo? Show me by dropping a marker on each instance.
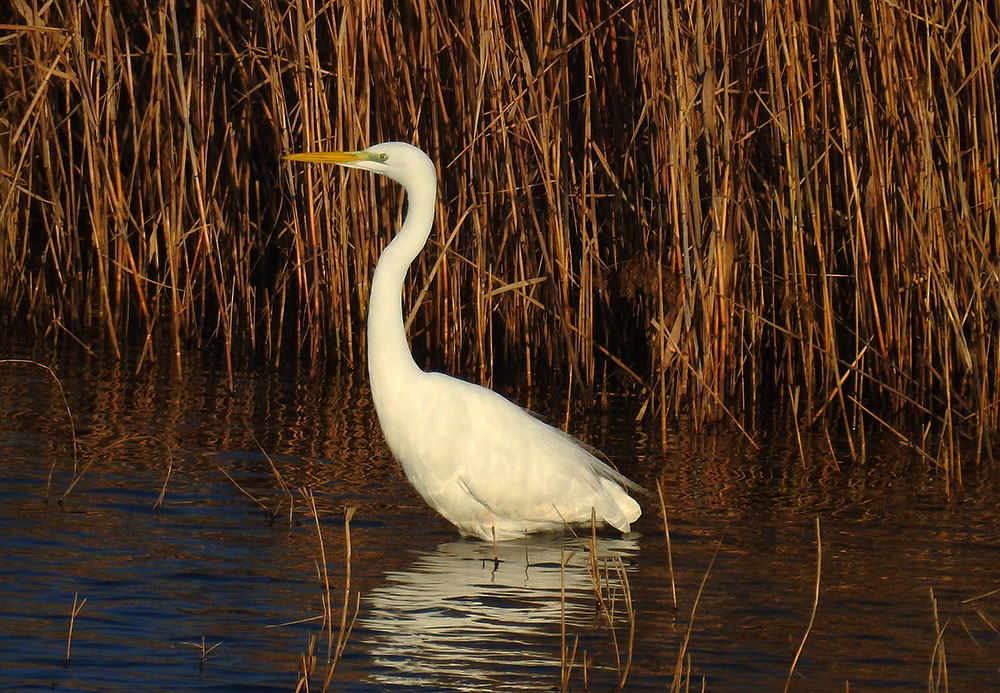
(710, 206)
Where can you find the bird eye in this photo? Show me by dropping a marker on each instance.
(383, 157)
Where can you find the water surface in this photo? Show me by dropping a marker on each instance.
(436, 611)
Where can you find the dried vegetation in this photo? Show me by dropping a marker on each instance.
(710, 205)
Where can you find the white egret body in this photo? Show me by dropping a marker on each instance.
(488, 466)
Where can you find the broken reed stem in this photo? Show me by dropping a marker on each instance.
(246, 493)
(69, 416)
(812, 615)
(76, 480)
(324, 575)
(163, 489)
(670, 552)
(630, 613)
(345, 628)
(74, 612)
(333, 651)
(281, 482)
(565, 662)
(205, 653)
(677, 681)
(604, 597)
(795, 421)
(937, 676)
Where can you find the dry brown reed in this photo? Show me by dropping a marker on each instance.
(69, 416)
(670, 550)
(812, 614)
(205, 651)
(163, 489)
(613, 601)
(74, 612)
(335, 642)
(567, 656)
(613, 605)
(682, 673)
(937, 677)
(710, 204)
(975, 610)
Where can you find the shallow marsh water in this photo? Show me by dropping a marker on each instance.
(437, 612)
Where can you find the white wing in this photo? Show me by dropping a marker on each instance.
(481, 460)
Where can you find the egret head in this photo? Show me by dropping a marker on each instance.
(400, 161)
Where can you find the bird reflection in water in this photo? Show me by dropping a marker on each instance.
(470, 615)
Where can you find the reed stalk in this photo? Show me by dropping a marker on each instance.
(812, 614)
(670, 551)
(681, 678)
(74, 612)
(707, 205)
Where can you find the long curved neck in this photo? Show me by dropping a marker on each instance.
(389, 357)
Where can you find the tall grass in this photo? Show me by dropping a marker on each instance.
(712, 206)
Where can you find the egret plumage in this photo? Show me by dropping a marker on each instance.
(488, 466)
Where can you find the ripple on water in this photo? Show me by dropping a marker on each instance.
(437, 612)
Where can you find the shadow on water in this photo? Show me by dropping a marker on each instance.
(438, 612)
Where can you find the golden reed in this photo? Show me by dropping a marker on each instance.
(704, 205)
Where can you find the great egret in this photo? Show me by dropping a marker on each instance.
(488, 466)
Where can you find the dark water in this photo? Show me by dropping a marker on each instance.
(437, 612)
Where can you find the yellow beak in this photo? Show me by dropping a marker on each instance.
(328, 157)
